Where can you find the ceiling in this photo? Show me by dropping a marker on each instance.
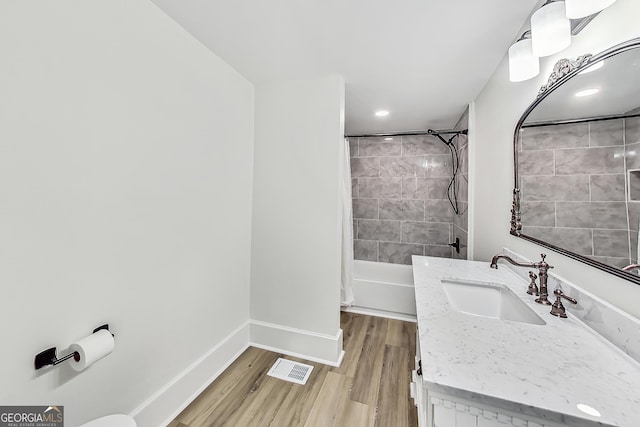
(423, 60)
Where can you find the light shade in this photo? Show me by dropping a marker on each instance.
(523, 64)
(550, 29)
(580, 8)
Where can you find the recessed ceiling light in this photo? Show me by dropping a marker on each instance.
(593, 67)
(382, 113)
(587, 92)
(588, 410)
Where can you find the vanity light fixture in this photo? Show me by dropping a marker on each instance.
(382, 113)
(580, 8)
(587, 92)
(550, 29)
(523, 64)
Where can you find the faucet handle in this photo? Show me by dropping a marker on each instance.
(533, 288)
(557, 309)
(543, 263)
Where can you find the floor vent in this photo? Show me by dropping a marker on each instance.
(290, 371)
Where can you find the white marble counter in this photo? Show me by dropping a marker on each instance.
(539, 370)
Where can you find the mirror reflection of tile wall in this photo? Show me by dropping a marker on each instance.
(574, 181)
(400, 205)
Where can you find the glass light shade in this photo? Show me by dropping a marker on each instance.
(580, 8)
(550, 29)
(523, 64)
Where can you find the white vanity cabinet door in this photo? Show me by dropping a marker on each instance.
(446, 411)
(449, 414)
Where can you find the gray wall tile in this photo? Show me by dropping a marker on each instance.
(425, 233)
(632, 156)
(438, 211)
(401, 181)
(399, 253)
(541, 214)
(578, 240)
(366, 250)
(462, 235)
(462, 182)
(632, 130)
(590, 161)
(439, 251)
(372, 229)
(609, 215)
(558, 136)
(379, 147)
(353, 147)
(365, 208)
(365, 167)
(634, 215)
(549, 188)
(538, 162)
(461, 221)
(607, 188)
(634, 185)
(437, 166)
(402, 166)
(380, 188)
(419, 145)
(611, 243)
(424, 188)
(606, 132)
(463, 155)
(402, 209)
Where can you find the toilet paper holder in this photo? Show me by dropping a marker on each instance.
(49, 356)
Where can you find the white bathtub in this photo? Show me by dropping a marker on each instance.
(383, 289)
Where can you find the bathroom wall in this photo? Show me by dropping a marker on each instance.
(125, 178)
(297, 223)
(573, 188)
(460, 228)
(399, 190)
(494, 115)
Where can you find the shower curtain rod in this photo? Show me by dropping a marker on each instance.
(411, 133)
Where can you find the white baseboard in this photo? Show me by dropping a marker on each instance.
(326, 349)
(164, 405)
(381, 313)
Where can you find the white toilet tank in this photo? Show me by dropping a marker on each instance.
(117, 420)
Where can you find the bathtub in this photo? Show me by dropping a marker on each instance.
(383, 289)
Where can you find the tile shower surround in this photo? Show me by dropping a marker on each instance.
(573, 187)
(400, 204)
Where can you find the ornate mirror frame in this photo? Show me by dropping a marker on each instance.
(563, 70)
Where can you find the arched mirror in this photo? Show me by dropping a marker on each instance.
(577, 162)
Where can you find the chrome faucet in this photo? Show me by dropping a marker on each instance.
(542, 267)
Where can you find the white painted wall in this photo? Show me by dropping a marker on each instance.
(125, 197)
(295, 253)
(496, 112)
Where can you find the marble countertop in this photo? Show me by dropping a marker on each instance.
(542, 371)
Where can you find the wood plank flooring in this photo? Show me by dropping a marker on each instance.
(369, 389)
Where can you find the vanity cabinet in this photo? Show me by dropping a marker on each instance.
(441, 410)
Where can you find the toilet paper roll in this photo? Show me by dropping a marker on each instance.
(91, 349)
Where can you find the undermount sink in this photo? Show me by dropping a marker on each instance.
(491, 300)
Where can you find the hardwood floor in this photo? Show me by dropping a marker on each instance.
(371, 388)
